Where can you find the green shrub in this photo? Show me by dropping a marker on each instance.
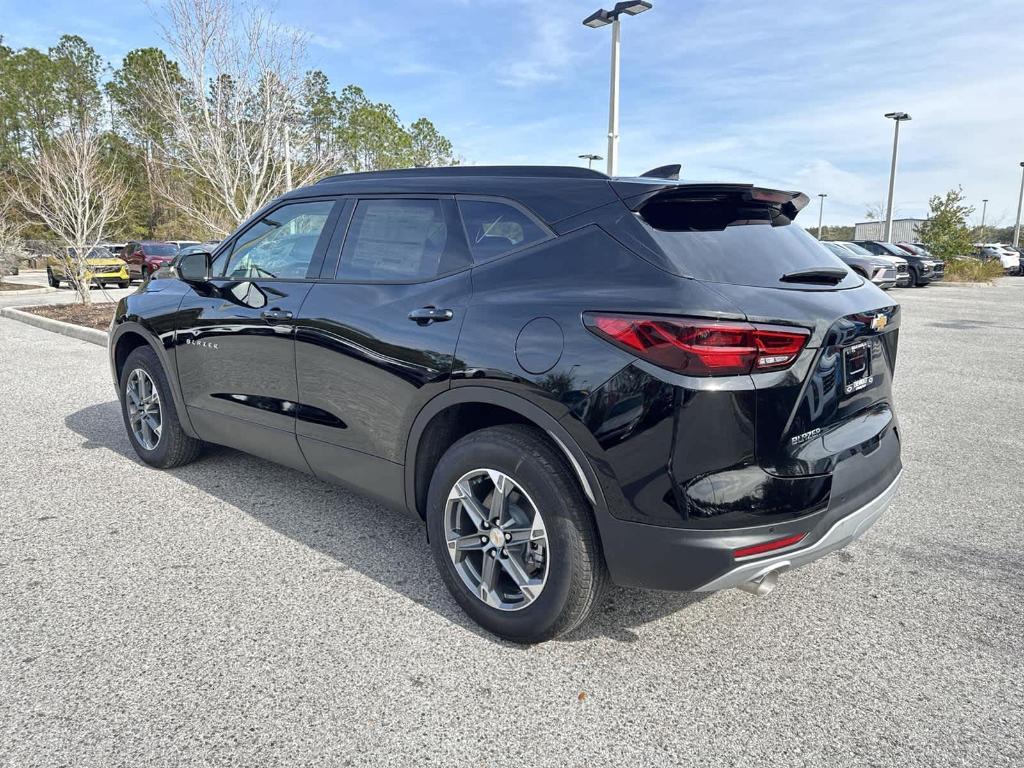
(972, 270)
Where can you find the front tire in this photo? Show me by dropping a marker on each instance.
(150, 417)
(513, 536)
(124, 283)
(52, 279)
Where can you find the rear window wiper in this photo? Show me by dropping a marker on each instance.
(825, 275)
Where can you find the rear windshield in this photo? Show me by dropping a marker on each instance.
(160, 249)
(722, 242)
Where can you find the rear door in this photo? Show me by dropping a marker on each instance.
(376, 336)
(235, 341)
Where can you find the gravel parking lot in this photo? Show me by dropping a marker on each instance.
(232, 612)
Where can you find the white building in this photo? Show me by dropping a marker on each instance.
(903, 230)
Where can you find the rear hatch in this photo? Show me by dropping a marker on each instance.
(834, 403)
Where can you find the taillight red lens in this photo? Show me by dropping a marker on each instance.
(768, 546)
(700, 347)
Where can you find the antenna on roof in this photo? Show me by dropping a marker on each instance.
(664, 172)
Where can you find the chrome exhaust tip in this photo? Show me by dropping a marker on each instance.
(762, 585)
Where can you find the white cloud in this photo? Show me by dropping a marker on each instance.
(547, 57)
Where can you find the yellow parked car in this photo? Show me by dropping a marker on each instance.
(102, 269)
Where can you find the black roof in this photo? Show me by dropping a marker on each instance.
(554, 193)
(475, 171)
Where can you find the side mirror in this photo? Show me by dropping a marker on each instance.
(194, 267)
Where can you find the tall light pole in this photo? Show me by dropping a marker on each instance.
(821, 210)
(602, 18)
(287, 156)
(898, 117)
(1020, 199)
(590, 157)
(984, 207)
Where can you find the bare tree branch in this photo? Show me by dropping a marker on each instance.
(239, 88)
(72, 192)
(12, 246)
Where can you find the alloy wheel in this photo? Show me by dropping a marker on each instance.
(496, 539)
(144, 414)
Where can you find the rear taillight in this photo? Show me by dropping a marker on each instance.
(701, 347)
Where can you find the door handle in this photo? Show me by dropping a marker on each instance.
(276, 314)
(428, 315)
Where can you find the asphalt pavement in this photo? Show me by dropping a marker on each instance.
(233, 612)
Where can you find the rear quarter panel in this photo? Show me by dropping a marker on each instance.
(624, 428)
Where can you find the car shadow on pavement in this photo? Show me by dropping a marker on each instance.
(353, 530)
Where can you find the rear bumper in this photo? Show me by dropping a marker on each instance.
(693, 559)
(845, 531)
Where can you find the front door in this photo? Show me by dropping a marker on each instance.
(376, 336)
(235, 342)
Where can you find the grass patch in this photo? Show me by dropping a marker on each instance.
(972, 270)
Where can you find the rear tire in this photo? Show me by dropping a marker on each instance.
(124, 283)
(567, 573)
(172, 447)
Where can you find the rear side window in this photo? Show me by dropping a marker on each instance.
(399, 240)
(496, 228)
(734, 241)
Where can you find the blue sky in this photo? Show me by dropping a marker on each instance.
(786, 94)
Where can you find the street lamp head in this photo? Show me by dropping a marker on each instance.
(603, 18)
(590, 156)
(897, 116)
(1022, 165)
(631, 9)
(597, 19)
(823, 194)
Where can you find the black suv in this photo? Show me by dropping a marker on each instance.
(571, 378)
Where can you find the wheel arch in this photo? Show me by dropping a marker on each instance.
(129, 336)
(462, 410)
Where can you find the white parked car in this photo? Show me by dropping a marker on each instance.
(1009, 258)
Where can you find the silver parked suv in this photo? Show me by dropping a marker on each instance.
(880, 270)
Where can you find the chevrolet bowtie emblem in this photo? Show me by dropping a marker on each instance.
(878, 322)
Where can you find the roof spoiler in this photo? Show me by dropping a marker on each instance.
(663, 172)
(787, 204)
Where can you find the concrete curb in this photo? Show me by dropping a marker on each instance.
(27, 291)
(961, 283)
(92, 335)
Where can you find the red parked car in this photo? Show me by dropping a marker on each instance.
(145, 257)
